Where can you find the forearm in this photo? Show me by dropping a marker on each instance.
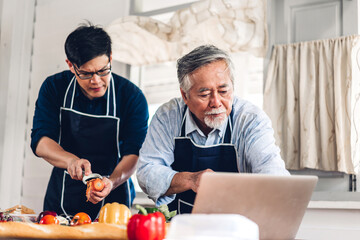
(123, 171)
(181, 182)
(53, 153)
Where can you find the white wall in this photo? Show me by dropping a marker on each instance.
(16, 33)
(42, 27)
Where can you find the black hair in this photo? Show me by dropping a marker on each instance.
(87, 42)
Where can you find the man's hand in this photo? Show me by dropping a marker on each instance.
(183, 181)
(195, 178)
(76, 167)
(97, 196)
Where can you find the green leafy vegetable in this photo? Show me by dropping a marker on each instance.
(164, 209)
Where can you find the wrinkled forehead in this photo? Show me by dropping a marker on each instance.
(218, 70)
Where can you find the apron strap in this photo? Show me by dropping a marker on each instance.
(182, 134)
(111, 96)
(62, 196)
(111, 99)
(180, 201)
(68, 217)
(228, 135)
(69, 94)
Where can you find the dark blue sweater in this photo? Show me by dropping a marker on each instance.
(131, 108)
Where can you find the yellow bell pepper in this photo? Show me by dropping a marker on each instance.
(114, 213)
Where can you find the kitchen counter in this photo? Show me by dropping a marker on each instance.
(20, 230)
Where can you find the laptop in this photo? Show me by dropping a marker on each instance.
(276, 203)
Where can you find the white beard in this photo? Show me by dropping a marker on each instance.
(215, 122)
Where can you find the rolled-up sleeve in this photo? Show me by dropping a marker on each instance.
(154, 171)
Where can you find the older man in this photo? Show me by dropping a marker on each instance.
(208, 129)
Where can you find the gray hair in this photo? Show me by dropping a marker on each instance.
(197, 58)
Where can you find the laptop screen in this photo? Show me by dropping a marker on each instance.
(276, 203)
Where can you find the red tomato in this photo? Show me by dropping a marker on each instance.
(42, 214)
(80, 218)
(49, 219)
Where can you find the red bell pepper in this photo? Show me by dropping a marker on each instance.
(146, 226)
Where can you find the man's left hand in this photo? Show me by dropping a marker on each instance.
(97, 196)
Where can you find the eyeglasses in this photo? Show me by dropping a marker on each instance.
(88, 75)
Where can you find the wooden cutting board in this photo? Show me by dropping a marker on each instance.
(41, 231)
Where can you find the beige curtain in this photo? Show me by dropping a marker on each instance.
(232, 25)
(312, 96)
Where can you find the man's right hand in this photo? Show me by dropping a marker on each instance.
(78, 167)
(53, 153)
(183, 181)
(196, 178)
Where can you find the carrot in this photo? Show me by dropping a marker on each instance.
(88, 189)
(94, 185)
(98, 185)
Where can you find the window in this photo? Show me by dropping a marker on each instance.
(155, 7)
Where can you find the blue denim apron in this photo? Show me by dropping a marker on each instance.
(92, 137)
(188, 156)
